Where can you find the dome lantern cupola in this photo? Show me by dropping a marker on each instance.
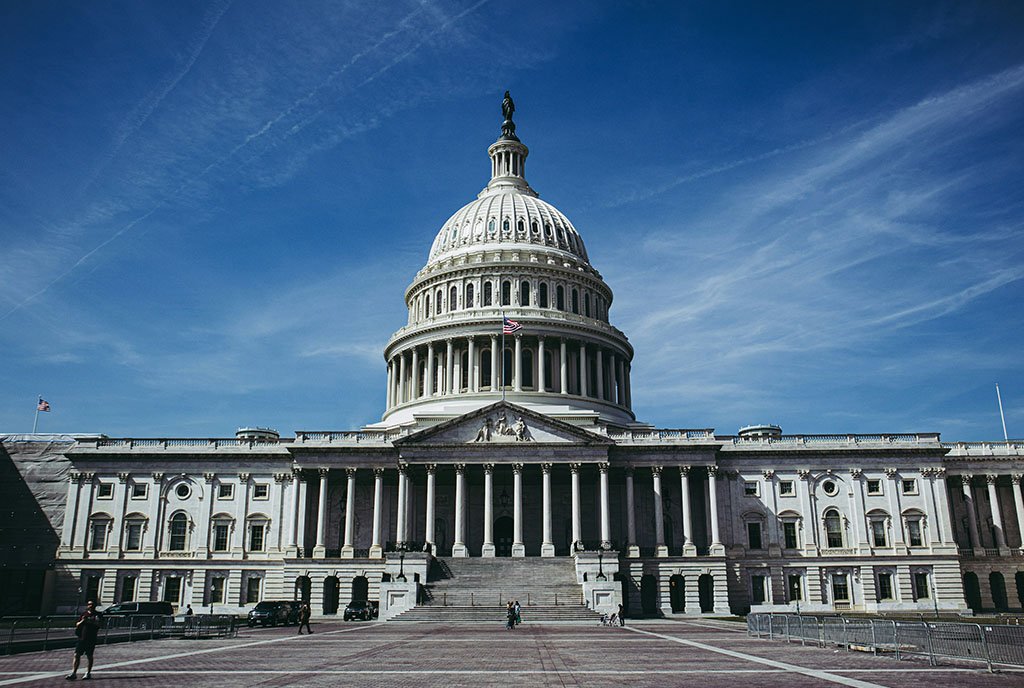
(508, 157)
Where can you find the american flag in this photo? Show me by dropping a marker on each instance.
(44, 405)
(510, 326)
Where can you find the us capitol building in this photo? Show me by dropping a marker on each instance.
(512, 465)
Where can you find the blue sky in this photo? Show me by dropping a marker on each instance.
(810, 213)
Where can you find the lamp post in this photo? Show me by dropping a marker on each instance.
(401, 564)
(600, 566)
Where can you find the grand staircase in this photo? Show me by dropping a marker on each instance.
(476, 590)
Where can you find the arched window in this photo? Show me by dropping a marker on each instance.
(506, 293)
(99, 527)
(134, 527)
(440, 298)
(257, 532)
(575, 301)
(833, 528)
(547, 231)
(426, 302)
(527, 370)
(542, 295)
(521, 227)
(505, 227)
(586, 305)
(178, 532)
(560, 297)
(534, 228)
(469, 295)
(524, 293)
(453, 299)
(488, 288)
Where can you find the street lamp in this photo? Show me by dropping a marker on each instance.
(401, 565)
(600, 566)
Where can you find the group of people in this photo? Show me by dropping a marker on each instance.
(513, 617)
(615, 619)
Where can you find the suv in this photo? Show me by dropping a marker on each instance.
(360, 609)
(270, 614)
(140, 608)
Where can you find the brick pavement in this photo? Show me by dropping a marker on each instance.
(651, 653)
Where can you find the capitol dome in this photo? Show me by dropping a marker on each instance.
(508, 255)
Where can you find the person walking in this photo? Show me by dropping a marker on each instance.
(622, 616)
(510, 617)
(87, 629)
(304, 613)
(518, 610)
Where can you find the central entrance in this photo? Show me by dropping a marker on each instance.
(503, 527)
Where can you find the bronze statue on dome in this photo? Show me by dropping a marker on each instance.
(508, 127)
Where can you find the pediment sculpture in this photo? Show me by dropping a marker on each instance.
(500, 429)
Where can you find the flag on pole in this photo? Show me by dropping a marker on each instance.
(44, 405)
(510, 326)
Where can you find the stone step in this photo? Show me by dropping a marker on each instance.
(496, 614)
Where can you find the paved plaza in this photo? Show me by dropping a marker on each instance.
(651, 653)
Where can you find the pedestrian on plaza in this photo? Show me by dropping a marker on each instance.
(518, 610)
(304, 613)
(510, 617)
(87, 630)
(622, 616)
(189, 612)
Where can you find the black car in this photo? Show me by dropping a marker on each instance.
(140, 608)
(271, 614)
(360, 610)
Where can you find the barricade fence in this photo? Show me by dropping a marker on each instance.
(31, 633)
(980, 642)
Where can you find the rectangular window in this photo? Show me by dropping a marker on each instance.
(225, 491)
(172, 589)
(256, 537)
(133, 536)
(750, 488)
(914, 533)
(874, 487)
(789, 535)
(786, 488)
(92, 588)
(252, 590)
(922, 590)
(757, 582)
(261, 491)
(840, 588)
(909, 487)
(754, 535)
(217, 590)
(220, 537)
(128, 588)
(884, 586)
(140, 490)
(105, 491)
(795, 587)
(878, 533)
(98, 535)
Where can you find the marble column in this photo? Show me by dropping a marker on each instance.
(1018, 503)
(997, 513)
(518, 548)
(563, 368)
(972, 512)
(661, 550)
(400, 522)
(430, 383)
(943, 506)
(471, 364)
(401, 396)
(389, 400)
(689, 549)
(716, 543)
(576, 536)
(459, 548)
(293, 536)
(606, 529)
(449, 367)
(621, 379)
(634, 548)
(613, 383)
(488, 547)
(600, 374)
(321, 522)
(457, 376)
(495, 373)
(547, 547)
(628, 386)
(541, 368)
(378, 505)
(415, 392)
(583, 369)
(347, 549)
(429, 534)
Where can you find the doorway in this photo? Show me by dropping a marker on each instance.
(677, 593)
(503, 527)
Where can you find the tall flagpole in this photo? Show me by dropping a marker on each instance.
(35, 422)
(999, 398)
(501, 361)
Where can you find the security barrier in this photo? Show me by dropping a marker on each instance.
(988, 643)
(30, 633)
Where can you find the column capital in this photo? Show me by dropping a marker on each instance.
(712, 471)
(350, 472)
(122, 478)
(431, 468)
(575, 467)
(768, 473)
(323, 471)
(517, 468)
(296, 472)
(684, 470)
(940, 472)
(403, 467)
(890, 473)
(209, 478)
(1018, 478)
(378, 472)
(856, 473)
(74, 477)
(157, 477)
(990, 478)
(628, 471)
(280, 477)
(244, 477)
(603, 467)
(488, 468)
(656, 470)
(966, 479)
(803, 474)
(460, 468)
(546, 467)
(926, 471)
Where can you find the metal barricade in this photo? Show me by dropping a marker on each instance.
(1004, 644)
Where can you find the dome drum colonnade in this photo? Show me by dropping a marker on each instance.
(508, 254)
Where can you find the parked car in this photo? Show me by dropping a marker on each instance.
(269, 613)
(140, 608)
(361, 610)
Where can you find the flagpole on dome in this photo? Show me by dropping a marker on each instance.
(501, 361)
(35, 421)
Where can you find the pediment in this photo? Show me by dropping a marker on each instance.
(502, 423)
